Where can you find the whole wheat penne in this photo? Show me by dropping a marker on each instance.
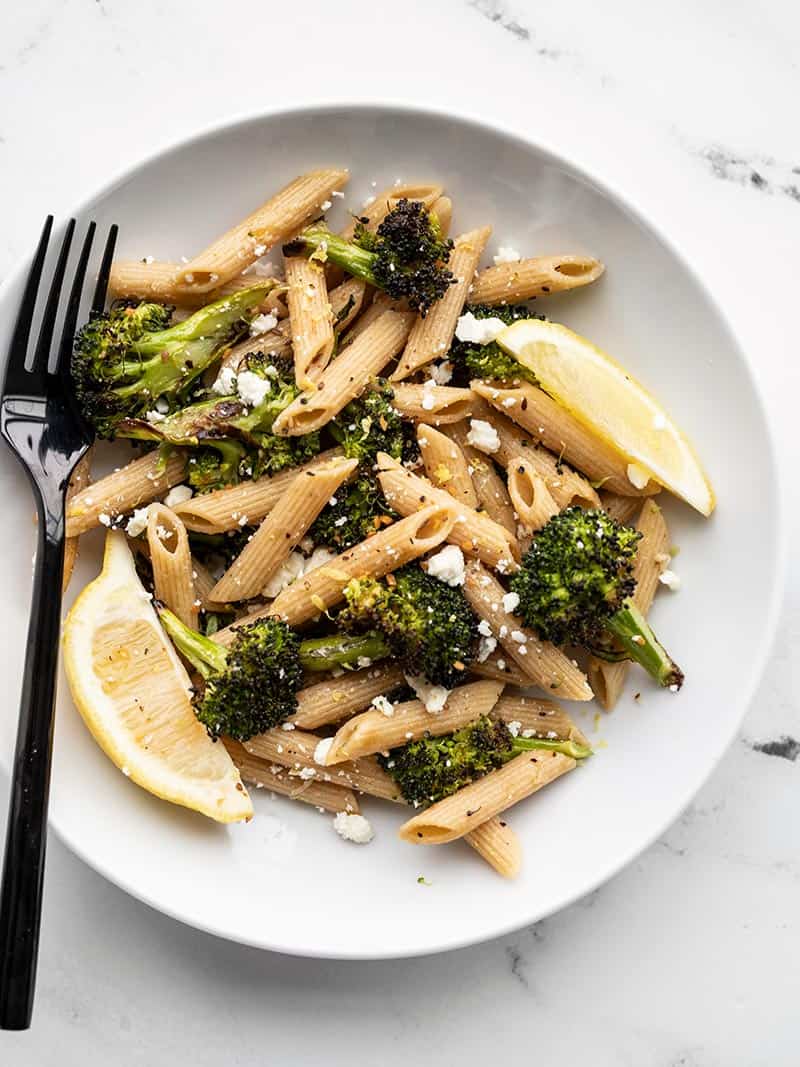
(373, 309)
(608, 679)
(171, 560)
(272, 776)
(443, 210)
(446, 465)
(295, 749)
(475, 533)
(385, 551)
(529, 495)
(140, 482)
(311, 319)
(552, 425)
(527, 278)
(137, 279)
(244, 504)
(496, 842)
(81, 477)
(347, 376)
(622, 508)
(375, 731)
(387, 200)
(501, 668)
(204, 582)
(546, 666)
(432, 335)
(335, 699)
(456, 815)
(282, 529)
(434, 404)
(280, 217)
(490, 487)
(347, 301)
(535, 717)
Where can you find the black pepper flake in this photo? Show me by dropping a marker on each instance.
(545, 288)
(524, 403)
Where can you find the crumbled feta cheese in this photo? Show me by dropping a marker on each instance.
(434, 697)
(104, 518)
(448, 565)
(225, 383)
(307, 773)
(291, 569)
(637, 476)
(326, 205)
(178, 494)
(154, 416)
(509, 402)
(501, 664)
(137, 523)
(483, 436)
(518, 636)
(442, 373)
(484, 629)
(503, 631)
(428, 398)
(148, 260)
(353, 828)
(322, 750)
(510, 602)
(317, 558)
(337, 192)
(263, 324)
(674, 688)
(252, 388)
(506, 254)
(486, 647)
(384, 705)
(478, 331)
(670, 579)
(514, 727)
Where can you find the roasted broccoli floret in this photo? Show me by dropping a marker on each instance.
(406, 256)
(471, 360)
(124, 360)
(360, 510)
(428, 625)
(251, 686)
(433, 768)
(575, 587)
(370, 424)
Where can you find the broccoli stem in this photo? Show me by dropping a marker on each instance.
(325, 653)
(350, 257)
(205, 655)
(566, 748)
(633, 632)
(213, 319)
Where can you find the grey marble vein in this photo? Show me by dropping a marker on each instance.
(497, 13)
(762, 173)
(785, 747)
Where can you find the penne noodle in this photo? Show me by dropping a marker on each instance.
(501, 668)
(621, 508)
(537, 718)
(456, 815)
(387, 200)
(432, 335)
(385, 551)
(496, 842)
(474, 533)
(244, 504)
(204, 582)
(81, 478)
(545, 665)
(553, 426)
(380, 303)
(137, 279)
(282, 530)
(347, 376)
(529, 495)
(335, 699)
(311, 319)
(140, 482)
(281, 216)
(608, 679)
(443, 210)
(347, 300)
(490, 487)
(375, 731)
(434, 404)
(171, 560)
(527, 278)
(446, 465)
(265, 775)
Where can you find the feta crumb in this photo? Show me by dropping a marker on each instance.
(484, 629)
(263, 324)
(104, 518)
(154, 416)
(514, 727)
(486, 647)
(225, 383)
(259, 250)
(322, 750)
(518, 636)
(670, 579)
(364, 662)
(501, 664)
(674, 688)
(483, 436)
(252, 388)
(337, 192)
(178, 494)
(384, 705)
(428, 399)
(637, 476)
(353, 828)
(434, 697)
(442, 373)
(503, 631)
(326, 205)
(148, 260)
(478, 331)
(510, 602)
(307, 773)
(288, 726)
(291, 568)
(506, 254)
(448, 565)
(137, 523)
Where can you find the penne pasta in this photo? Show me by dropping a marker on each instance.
(311, 319)
(529, 495)
(375, 308)
(204, 582)
(608, 679)
(244, 504)
(535, 717)
(377, 731)
(268, 775)
(387, 200)
(282, 529)
(346, 301)
(622, 508)
(432, 335)
(527, 278)
(442, 208)
(490, 488)
(81, 478)
(446, 465)
(140, 482)
(496, 842)
(456, 815)
(138, 279)
(281, 216)
(171, 560)
(475, 533)
(347, 376)
(433, 404)
(553, 426)
(335, 699)
(543, 663)
(385, 551)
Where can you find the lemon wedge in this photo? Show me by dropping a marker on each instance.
(598, 392)
(134, 695)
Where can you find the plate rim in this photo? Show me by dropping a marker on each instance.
(627, 201)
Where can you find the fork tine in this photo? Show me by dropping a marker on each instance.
(22, 328)
(42, 354)
(74, 302)
(99, 301)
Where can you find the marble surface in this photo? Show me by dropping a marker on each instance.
(689, 958)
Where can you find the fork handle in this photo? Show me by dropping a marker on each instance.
(26, 834)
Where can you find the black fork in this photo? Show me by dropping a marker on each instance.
(41, 423)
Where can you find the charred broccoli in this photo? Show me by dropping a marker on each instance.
(433, 768)
(406, 256)
(473, 360)
(428, 625)
(575, 587)
(370, 424)
(127, 358)
(360, 510)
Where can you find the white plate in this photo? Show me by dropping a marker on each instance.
(286, 881)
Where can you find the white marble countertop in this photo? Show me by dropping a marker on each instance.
(690, 956)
